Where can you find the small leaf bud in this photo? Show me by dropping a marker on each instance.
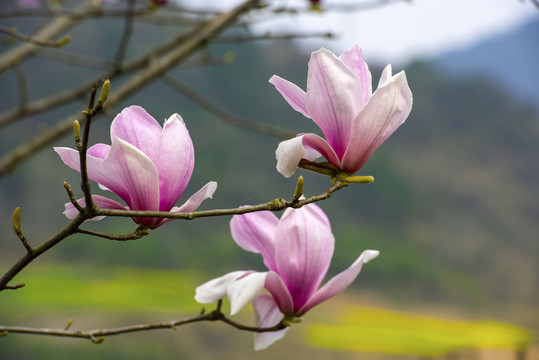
(299, 189)
(359, 179)
(103, 96)
(17, 221)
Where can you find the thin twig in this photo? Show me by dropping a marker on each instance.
(66, 231)
(126, 35)
(72, 197)
(73, 14)
(137, 234)
(274, 205)
(223, 115)
(272, 36)
(22, 83)
(29, 39)
(98, 335)
(73, 59)
(54, 28)
(193, 39)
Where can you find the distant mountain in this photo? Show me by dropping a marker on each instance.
(511, 59)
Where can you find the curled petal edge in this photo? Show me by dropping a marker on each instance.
(216, 289)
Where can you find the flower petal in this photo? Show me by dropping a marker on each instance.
(339, 282)
(242, 291)
(137, 173)
(99, 151)
(288, 154)
(267, 314)
(216, 289)
(103, 202)
(334, 97)
(95, 168)
(292, 94)
(197, 198)
(305, 146)
(277, 288)
(255, 232)
(353, 58)
(321, 146)
(175, 161)
(387, 74)
(193, 202)
(304, 247)
(386, 110)
(135, 126)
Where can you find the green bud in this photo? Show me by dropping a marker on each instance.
(63, 41)
(98, 340)
(359, 179)
(17, 221)
(76, 130)
(103, 96)
(299, 189)
(228, 58)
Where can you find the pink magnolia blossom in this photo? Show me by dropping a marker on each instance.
(147, 166)
(339, 99)
(297, 251)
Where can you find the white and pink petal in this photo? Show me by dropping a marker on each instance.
(267, 314)
(216, 289)
(242, 291)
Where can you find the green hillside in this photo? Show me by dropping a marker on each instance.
(453, 208)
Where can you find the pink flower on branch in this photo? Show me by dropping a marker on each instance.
(297, 251)
(147, 166)
(339, 99)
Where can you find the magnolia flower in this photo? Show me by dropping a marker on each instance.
(297, 251)
(339, 99)
(147, 166)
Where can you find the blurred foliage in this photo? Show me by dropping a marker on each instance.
(370, 329)
(126, 295)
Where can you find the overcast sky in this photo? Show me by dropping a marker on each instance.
(418, 28)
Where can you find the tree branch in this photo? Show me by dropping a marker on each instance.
(98, 335)
(224, 116)
(30, 40)
(54, 28)
(193, 39)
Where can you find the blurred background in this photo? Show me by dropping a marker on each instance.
(453, 210)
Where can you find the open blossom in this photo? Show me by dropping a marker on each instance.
(147, 166)
(339, 99)
(297, 251)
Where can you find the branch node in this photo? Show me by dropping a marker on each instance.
(98, 340)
